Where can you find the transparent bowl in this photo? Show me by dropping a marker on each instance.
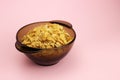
(45, 57)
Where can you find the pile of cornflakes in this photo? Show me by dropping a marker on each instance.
(49, 35)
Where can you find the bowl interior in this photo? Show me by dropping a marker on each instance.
(24, 30)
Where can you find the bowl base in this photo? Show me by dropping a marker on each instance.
(46, 64)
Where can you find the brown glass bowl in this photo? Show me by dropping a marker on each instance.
(45, 56)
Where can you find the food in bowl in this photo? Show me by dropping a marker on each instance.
(49, 35)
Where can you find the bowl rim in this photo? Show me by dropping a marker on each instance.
(53, 21)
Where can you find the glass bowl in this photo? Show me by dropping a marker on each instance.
(45, 57)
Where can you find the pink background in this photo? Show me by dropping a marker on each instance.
(95, 54)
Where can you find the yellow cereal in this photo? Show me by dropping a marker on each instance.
(46, 36)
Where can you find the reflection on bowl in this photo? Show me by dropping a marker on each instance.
(45, 56)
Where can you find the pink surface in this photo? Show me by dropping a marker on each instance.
(95, 54)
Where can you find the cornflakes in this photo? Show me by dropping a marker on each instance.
(48, 35)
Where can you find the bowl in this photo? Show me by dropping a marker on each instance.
(49, 56)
